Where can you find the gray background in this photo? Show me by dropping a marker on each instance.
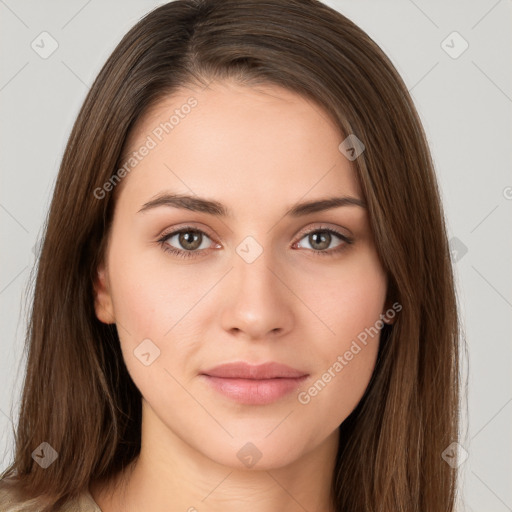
(465, 105)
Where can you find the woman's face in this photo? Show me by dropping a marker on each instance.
(245, 280)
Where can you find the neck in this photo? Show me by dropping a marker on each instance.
(169, 474)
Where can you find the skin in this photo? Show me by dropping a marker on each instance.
(258, 151)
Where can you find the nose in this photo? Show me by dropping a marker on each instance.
(258, 301)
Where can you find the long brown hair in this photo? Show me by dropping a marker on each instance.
(78, 395)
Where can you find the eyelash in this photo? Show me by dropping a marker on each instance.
(192, 254)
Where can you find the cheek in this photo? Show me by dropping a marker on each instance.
(335, 391)
(347, 341)
(154, 311)
(149, 298)
(346, 299)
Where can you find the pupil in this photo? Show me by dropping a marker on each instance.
(188, 239)
(321, 238)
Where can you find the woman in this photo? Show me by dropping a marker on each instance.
(244, 295)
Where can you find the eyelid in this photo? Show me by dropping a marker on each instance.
(176, 229)
(203, 229)
(327, 227)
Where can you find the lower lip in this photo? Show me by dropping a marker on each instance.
(252, 391)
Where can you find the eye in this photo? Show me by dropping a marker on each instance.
(186, 242)
(320, 239)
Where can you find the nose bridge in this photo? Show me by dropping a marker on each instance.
(252, 269)
(258, 302)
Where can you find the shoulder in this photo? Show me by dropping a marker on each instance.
(11, 502)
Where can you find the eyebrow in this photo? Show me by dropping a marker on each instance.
(211, 207)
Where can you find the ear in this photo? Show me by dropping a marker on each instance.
(102, 298)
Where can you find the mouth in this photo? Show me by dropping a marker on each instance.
(254, 385)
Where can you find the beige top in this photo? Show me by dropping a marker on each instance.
(84, 503)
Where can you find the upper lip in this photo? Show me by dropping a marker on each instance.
(243, 370)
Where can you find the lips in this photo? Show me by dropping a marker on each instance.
(242, 370)
(254, 384)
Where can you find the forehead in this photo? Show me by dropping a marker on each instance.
(249, 147)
